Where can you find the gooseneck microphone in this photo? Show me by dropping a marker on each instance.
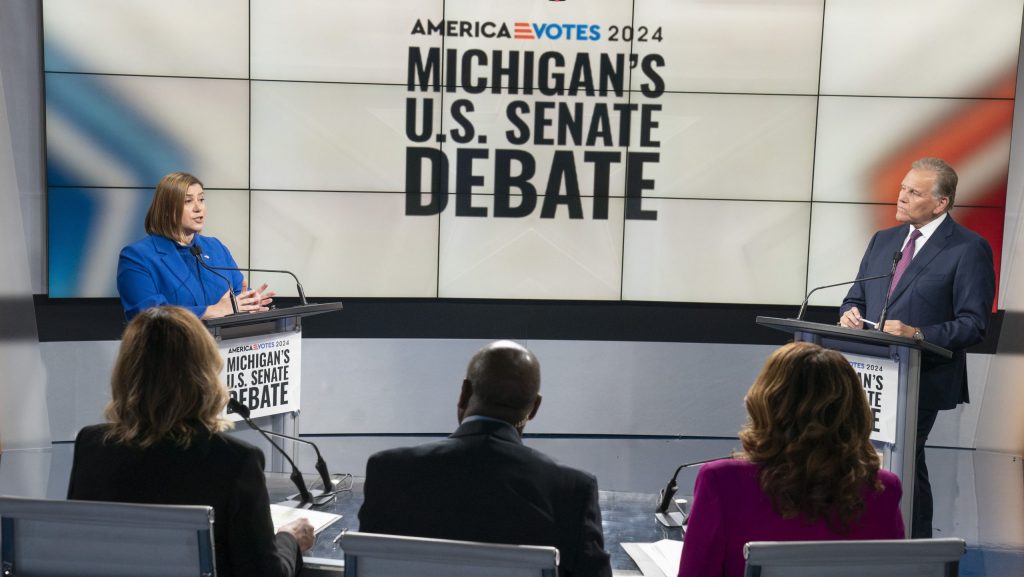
(321, 465)
(298, 285)
(803, 305)
(896, 256)
(198, 253)
(305, 498)
(661, 513)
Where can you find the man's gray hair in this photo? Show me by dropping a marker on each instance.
(945, 178)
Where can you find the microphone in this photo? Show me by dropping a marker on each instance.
(803, 305)
(661, 513)
(305, 498)
(321, 466)
(896, 256)
(197, 252)
(298, 285)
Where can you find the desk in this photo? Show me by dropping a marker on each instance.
(625, 517)
(989, 518)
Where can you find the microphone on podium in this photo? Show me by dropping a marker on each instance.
(298, 286)
(673, 518)
(803, 305)
(305, 499)
(896, 256)
(198, 253)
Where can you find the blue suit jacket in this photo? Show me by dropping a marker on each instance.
(947, 292)
(151, 273)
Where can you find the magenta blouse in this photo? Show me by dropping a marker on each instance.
(729, 510)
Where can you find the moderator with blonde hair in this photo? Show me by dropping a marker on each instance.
(807, 472)
(165, 381)
(165, 444)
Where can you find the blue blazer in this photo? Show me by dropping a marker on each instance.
(947, 292)
(151, 273)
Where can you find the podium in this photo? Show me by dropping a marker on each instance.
(262, 363)
(898, 450)
(274, 320)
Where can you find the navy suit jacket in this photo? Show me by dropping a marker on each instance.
(947, 292)
(151, 273)
(483, 484)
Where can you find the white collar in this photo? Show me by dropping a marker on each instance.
(928, 229)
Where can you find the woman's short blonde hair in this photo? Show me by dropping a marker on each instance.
(808, 428)
(165, 381)
(164, 215)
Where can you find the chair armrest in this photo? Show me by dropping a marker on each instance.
(322, 567)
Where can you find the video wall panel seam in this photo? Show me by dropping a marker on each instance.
(446, 88)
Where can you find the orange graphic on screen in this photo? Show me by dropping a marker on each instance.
(961, 137)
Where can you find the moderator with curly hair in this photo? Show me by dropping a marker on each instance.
(808, 429)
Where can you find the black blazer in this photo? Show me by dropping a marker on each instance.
(947, 292)
(216, 470)
(483, 484)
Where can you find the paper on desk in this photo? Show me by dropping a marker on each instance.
(660, 559)
(283, 515)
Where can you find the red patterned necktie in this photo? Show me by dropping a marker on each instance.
(908, 255)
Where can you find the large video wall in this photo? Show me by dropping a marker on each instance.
(653, 150)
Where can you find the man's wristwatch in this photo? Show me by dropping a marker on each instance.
(918, 335)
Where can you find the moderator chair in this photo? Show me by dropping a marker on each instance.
(884, 558)
(373, 555)
(49, 538)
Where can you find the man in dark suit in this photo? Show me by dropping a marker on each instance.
(941, 293)
(482, 483)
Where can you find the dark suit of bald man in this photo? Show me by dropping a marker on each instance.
(483, 484)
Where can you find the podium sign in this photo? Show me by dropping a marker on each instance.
(262, 355)
(880, 378)
(263, 372)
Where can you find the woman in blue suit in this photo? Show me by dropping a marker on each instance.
(164, 268)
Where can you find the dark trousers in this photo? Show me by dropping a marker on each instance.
(922, 528)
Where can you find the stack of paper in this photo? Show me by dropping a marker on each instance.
(659, 559)
(283, 515)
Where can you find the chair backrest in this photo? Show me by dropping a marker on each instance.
(884, 558)
(373, 555)
(79, 538)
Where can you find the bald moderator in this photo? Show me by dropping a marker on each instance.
(502, 382)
